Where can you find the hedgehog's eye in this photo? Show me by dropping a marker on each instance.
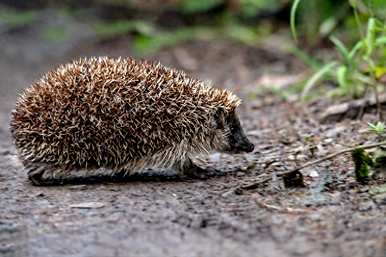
(219, 117)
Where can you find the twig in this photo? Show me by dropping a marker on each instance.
(330, 156)
(311, 163)
(271, 207)
(353, 109)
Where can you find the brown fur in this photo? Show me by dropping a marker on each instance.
(120, 114)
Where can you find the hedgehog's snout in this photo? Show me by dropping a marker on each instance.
(241, 143)
(247, 147)
(237, 139)
(251, 147)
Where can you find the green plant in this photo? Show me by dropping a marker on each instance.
(189, 6)
(148, 38)
(249, 8)
(13, 18)
(360, 67)
(377, 128)
(243, 8)
(120, 27)
(317, 18)
(363, 164)
(147, 43)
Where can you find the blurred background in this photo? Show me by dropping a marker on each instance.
(249, 44)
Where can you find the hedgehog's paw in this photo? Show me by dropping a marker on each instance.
(190, 169)
(41, 174)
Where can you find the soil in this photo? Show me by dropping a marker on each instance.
(332, 215)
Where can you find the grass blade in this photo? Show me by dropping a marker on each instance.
(316, 77)
(370, 36)
(294, 8)
(341, 74)
(342, 49)
(355, 49)
(380, 41)
(306, 58)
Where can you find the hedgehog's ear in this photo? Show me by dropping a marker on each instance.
(219, 117)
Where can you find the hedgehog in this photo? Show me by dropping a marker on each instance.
(105, 116)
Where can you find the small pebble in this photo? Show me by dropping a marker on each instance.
(301, 157)
(291, 157)
(87, 205)
(40, 194)
(366, 206)
(313, 174)
(328, 140)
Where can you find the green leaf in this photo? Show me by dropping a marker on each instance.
(342, 49)
(328, 26)
(196, 6)
(380, 41)
(294, 8)
(370, 36)
(355, 49)
(15, 18)
(341, 74)
(316, 77)
(378, 128)
(377, 7)
(379, 71)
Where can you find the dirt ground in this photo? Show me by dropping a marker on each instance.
(331, 216)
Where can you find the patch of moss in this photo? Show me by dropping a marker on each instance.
(363, 164)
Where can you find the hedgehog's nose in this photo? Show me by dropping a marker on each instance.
(246, 147)
(250, 147)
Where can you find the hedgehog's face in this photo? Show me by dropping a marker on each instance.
(234, 139)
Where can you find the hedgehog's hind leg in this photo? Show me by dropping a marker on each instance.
(43, 174)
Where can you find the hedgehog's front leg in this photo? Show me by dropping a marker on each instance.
(188, 168)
